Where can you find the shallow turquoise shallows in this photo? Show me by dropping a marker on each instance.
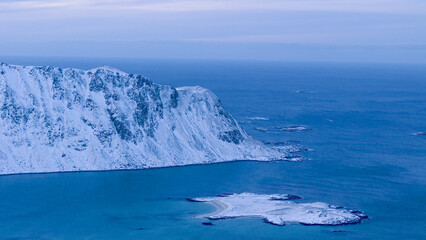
(363, 155)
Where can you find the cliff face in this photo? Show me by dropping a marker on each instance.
(54, 119)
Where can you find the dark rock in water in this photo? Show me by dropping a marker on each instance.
(272, 223)
(420, 133)
(354, 221)
(293, 197)
(219, 218)
(293, 141)
(207, 223)
(292, 157)
(360, 214)
(294, 128)
(261, 129)
(299, 150)
(280, 143)
(285, 198)
(283, 143)
(224, 194)
(192, 200)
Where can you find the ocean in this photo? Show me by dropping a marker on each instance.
(362, 154)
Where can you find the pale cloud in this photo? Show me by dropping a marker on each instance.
(193, 27)
(388, 6)
(273, 38)
(335, 38)
(28, 5)
(385, 6)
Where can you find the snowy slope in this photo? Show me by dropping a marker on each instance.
(54, 119)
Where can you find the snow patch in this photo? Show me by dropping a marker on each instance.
(420, 134)
(277, 209)
(294, 128)
(259, 118)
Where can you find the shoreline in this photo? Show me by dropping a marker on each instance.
(151, 168)
(219, 207)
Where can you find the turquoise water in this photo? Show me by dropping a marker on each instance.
(363, 156)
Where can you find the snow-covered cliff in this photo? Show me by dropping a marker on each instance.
(54, 119)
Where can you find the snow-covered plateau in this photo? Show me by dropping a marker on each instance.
(55, 119)
(279, 210)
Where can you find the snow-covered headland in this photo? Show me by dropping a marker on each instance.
(54, 119)
(279, 210)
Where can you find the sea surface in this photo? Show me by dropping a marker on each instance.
(362, 155)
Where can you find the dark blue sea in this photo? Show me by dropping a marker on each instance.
(362, 155)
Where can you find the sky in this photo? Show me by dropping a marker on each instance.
(283, 30)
